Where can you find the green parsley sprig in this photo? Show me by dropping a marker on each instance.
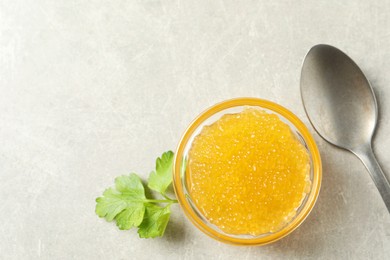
(128, 205)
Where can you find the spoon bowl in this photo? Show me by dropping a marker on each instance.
(341, 106)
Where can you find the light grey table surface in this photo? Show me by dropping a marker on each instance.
(90, 90)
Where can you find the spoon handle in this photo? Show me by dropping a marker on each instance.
(367, 156)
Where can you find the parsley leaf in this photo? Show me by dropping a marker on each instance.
(155, 221)
(129, 207)
(160, 179)
(110, 205)
(125, 203)
(130, 217)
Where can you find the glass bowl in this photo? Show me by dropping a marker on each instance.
(210, 116)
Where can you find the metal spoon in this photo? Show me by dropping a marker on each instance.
(341, 106)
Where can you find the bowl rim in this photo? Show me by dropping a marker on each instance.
(313, 151)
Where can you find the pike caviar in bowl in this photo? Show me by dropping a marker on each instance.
(247, 172)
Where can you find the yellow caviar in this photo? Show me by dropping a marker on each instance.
(248, 173)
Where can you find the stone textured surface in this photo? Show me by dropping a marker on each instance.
(93, 89)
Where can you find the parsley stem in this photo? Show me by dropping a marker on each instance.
(162, 201)
(168, 198)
